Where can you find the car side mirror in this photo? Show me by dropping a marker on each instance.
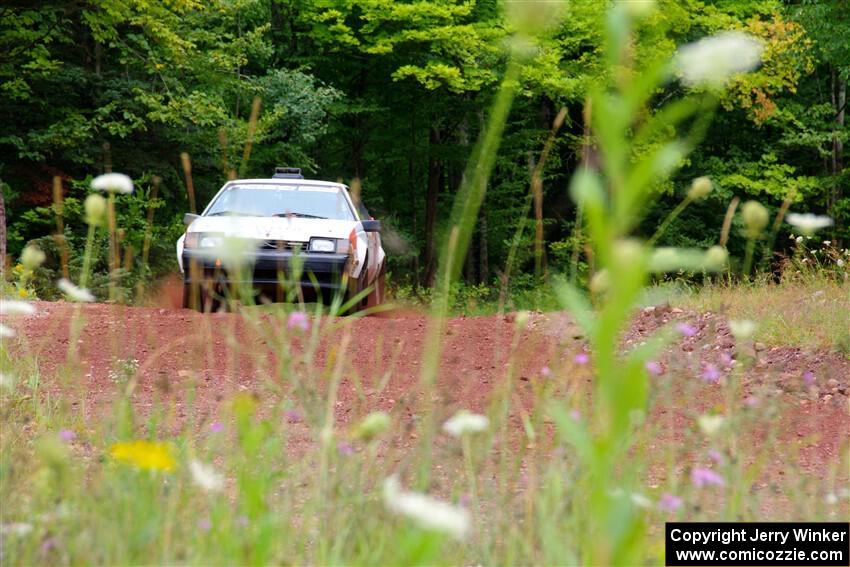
(371, 225)
(188, 218)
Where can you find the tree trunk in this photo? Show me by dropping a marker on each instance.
(435, 176)
(483, 259)
(414, 209)
(2, 236)
(839, 100)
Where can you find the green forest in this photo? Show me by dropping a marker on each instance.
(394, 95)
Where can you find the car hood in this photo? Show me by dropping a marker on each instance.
(273, 228)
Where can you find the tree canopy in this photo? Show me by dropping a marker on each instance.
(395, 93)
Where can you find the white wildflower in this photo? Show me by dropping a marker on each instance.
(7, 381)
(73, 292)
(640, 500)
(6, 332)
(711, 61)
(428, 512)
(742, 329)
(710, 424)
(840, 263)
(12, 307)
(808, 223)
(464, 422)
(113, 183)
(232, 251)
(799, 240)
(206, 477)
(19, 529)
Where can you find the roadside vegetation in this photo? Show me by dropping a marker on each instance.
(576, 458)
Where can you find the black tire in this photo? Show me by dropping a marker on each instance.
(355, 287)
(203, 302)
(377, 296)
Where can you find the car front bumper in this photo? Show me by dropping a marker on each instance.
(268, 268)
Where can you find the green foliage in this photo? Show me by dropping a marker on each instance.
(391, 93)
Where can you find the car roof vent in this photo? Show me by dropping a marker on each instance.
(287, 173)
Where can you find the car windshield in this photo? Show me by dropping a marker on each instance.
(260, 200)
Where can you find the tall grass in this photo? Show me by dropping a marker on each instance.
(605, 453)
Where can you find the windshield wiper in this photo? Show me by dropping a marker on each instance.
(299, 215)
(231, 213)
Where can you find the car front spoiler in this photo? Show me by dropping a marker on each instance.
(268, 267)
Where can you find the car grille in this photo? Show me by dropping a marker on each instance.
(282, 245)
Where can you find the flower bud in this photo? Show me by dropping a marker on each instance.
(533, 17)
(755, 218)
(700, 187)
(715, 258)
(32, 257)
(372, 425)
(600, 282)
(95, 207)
(639, 8)
(628, 254)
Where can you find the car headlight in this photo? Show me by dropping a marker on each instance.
(201, 240)
(210, 241)
(322, 245)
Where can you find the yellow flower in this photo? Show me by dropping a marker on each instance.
(23, 292)
(144, 454)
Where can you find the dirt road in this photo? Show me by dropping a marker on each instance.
(216, 356)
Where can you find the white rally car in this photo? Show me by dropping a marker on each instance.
(296, 228)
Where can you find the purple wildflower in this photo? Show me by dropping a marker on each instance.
(654, 368)
(751, 402)
(581, 358)
(726, 359)
(575, 414)
(216, 427)
(204, 524)
(298, 320)
(49, 544)
(345, 449)
(242, 521)
(710, 373)
(545, 372)
(465, 500)
(706, 477)
(669, 502)
(716, 456)
(293, 416)
(687, 330)
(67, 435)
(809, 378)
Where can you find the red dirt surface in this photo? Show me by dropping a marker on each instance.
(220, 355)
